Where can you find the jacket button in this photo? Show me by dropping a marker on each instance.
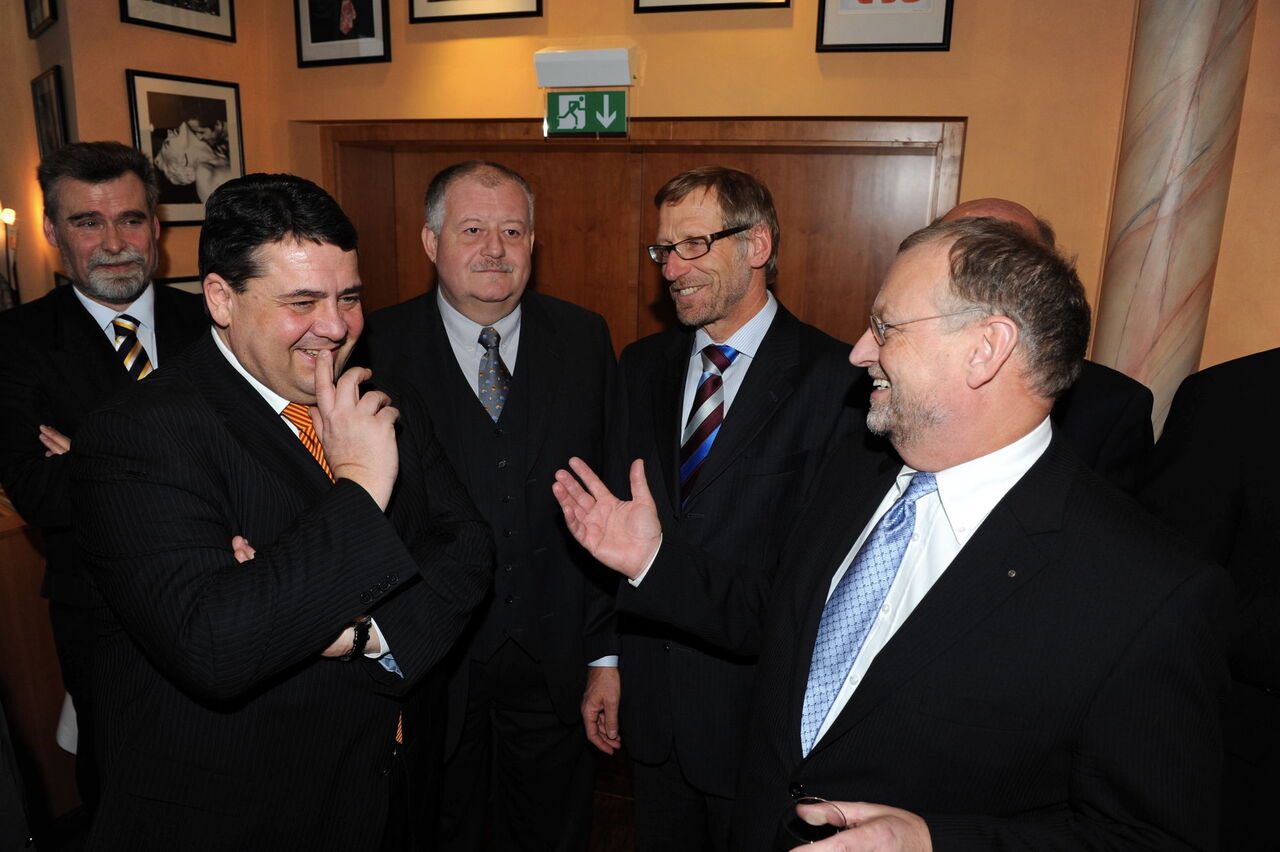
(497, 431)
(502, 463)
(365, 597)
(666, 646)
(508, 568)
(510, 599)
(508, 533)
(505, 498)
(797, 790)
(392, 579)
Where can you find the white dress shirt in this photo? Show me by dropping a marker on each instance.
(464, 338)
(945, 521)
(143, 310)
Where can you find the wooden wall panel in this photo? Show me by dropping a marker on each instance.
(847, 191)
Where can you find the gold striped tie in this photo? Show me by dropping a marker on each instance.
(300, 417)
(132, 354)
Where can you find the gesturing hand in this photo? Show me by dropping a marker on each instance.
(357, 431)
(621, 534)
(872, 828)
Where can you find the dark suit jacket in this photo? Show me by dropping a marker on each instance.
(1057, 688)
(56, 366)
(221, 725)
(1214, 478)
(689, 634)
(566, 363)
(1105, 418)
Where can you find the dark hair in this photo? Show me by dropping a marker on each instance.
(1047, 235)
(743, 200)
(258, 209)
(1003, 270)
(489, 174)
(94, 162)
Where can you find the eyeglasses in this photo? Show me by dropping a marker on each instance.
(692, 248)
(879, 326)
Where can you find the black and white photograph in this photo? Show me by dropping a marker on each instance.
(852, 25)
(190, 128)
(341, 32)
(208, 18)
(50, 111)
(426, 11)
(692, 5)
(40, 16)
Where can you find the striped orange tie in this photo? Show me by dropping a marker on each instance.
(300, 417)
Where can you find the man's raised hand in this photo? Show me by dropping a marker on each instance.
(357, 431)
(621, 534)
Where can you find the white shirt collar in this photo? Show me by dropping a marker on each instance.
(143, 308)
(748, 338)
(275, 400)
(969, 491)
(466, 331)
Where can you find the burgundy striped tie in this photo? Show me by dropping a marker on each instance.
(705, 415)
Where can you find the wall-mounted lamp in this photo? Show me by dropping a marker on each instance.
(9, 290)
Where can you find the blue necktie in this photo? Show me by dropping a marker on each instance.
(853, 606)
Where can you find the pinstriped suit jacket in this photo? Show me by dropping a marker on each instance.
(222, 727)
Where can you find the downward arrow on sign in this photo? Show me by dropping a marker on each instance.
(606, 118)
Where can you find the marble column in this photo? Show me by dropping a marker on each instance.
(1182, 114)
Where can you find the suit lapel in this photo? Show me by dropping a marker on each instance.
(978, 581)
(767, 385)
(258, 429)
(666, 409)
(540, 365)
(428, 348)
(78, 334)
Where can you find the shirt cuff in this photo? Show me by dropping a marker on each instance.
(609, 661)
(639, 578)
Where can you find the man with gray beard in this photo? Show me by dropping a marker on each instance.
(63, 355)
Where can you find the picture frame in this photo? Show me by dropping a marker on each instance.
(40, 15)
(190, 128)
(429, 11)
(205, 18)
(334, 32)
(698, 5)
(859, 25)
(50, 111)
(190, 283)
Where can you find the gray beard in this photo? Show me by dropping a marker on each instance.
(120, 288)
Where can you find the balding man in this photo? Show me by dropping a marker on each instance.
(982, 646)
(1105, 416)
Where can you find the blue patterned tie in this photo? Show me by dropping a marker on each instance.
(495, 381)
(853, 606)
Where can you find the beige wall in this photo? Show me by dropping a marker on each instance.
(1042, 86)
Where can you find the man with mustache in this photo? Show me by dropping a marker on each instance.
(516, 382)
(62, 355)
(732, 415)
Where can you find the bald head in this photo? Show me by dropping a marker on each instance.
(1003, 210)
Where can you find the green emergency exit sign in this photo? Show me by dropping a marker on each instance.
(575, 113)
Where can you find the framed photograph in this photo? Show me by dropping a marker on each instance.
(40, 16)
(190, 128)
(51, 111)
(425, 11)
(341, 32)
(884, 25)
(690, 5)
(190, 283)
(208, 18)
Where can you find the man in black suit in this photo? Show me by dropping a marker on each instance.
(513, 722)
(61, 356)
(1213, 478)
(987, 646)
(247, 521)
(1105, 416)
(728, 420)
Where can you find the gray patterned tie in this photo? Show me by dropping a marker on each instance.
(495, 381)
(852, 607)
